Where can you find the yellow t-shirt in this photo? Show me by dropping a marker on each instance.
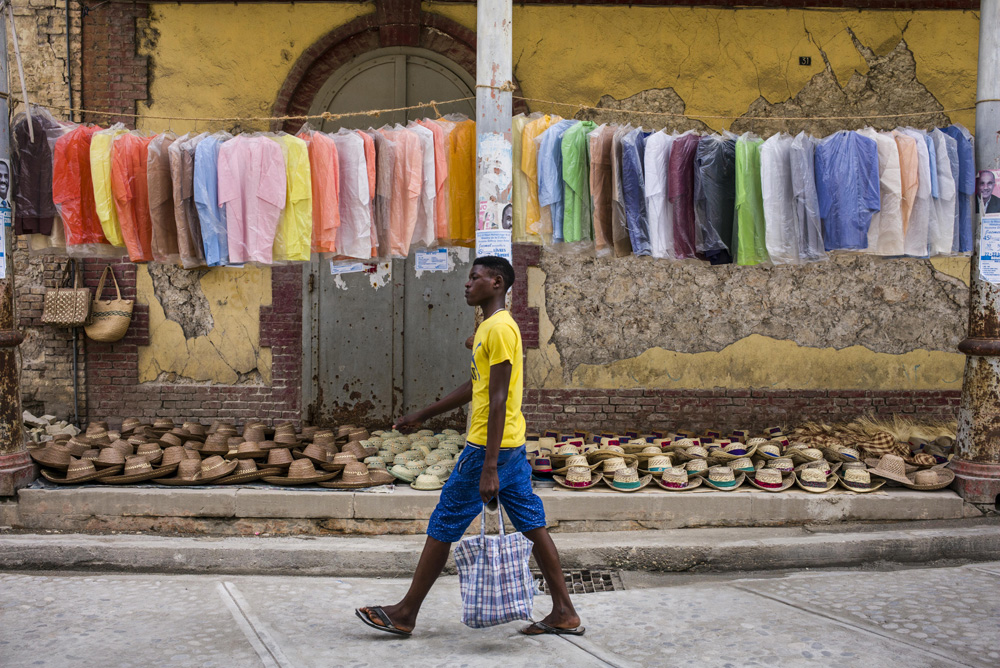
(100, 170)
(497, 340)
(293, 238)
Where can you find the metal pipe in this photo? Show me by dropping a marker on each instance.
(69, 71)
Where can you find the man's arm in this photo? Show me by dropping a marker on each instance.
(461, 396)
(489, 481)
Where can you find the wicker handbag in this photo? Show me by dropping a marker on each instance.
(67, 306)
(109, 318)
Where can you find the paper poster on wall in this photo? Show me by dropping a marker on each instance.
(494, 161)
(3, 247)
(431, 260)
(989, 248)
(494, 242)
(348, 268)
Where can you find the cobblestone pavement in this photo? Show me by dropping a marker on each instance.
(919, 617)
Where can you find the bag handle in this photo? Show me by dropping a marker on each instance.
(482, 530)
(64, 283)
(100, 286)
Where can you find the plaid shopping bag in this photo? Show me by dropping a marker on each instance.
(494, 578)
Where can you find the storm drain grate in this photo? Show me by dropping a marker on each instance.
(584, 581)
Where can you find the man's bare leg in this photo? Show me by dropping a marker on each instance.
(563, 615)
(432, 560)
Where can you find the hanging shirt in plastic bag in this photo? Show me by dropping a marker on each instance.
(909, 174)
(917, 235)
(715, 197)
(293, 238)
(354, 234)
(385, 154)
(519, 233)
(577, 220)
(751, 247)
(324, 170)
(161, 199)
(100, 171)
(807, 219)
(536, 222)
(441, 179)
(781, 235)
(32, 178)
(599, 147)
(407, 183)
(252, 186)
(130, 187)
(885, 234)
(946, 205)
(848, 188)
(633, 157)
(550, 184)
(659, 210)
(962, 240)
(680, 186)
(370, 165)
(211, 216)
(424, 230)
(182, 174)
(73, 188)
(619, 224)
(462, 177)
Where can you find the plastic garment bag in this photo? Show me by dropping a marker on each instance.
(946, 205)
(577, 218)
(324, 171)
(916, 239)
(807, 219)
(659, 210)
(252, 186)
(848, 188)
(462, 177)
(536, 223)
(73, 188)
(293, 237)
(385, 154)
(619, 226)
(407, 181)
(209, 216)
(885, 234)
(599, 148)
(354, 234)
(130, 187)
(680, 186)
(909, 174)
(183, 165)
(424, 231)
(633, 157)
(781, 234)
(962, 240)
(715, 197)
(441, 179)
(32, 177)
(161, 199)
(519, 196)
(750, 244)
(550, 184)
(100, 171)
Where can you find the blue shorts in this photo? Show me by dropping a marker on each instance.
(460, 502)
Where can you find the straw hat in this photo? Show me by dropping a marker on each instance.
(724, 478)
(696, 452)
(340, 460)
(109, 457)
(254, 433)
(247, 450)
(930, 479)
(675, 479)
(441, 470)
(613, 464)
(188, 473)
(53, 455)
(578, 477)
(649, 451)
(657, 465)
(771, 480)
(79, 471)
(90, 455)
(804, 455)
(172, 456)
(216, 446)
(136, 469)
(890, 467)
(576, 460)
(628, 480)
(842, 453)
(541, 465)
(302, 472)
(696, 467)
(246, 470)
(741, 464)
(427, 482)
(821, 464)
(815, 480)
(400, 472)
(279, 458)
(769, 451)
(858, 480)
(151, 451)
(129, 425)
(355, 476)
(317, 454)
(783, 464)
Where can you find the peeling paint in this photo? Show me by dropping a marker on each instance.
(381, 276)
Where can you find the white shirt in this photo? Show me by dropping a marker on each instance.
(946, 204)
(659, 210)
(781, 237)
(423, 232)
(354, 236)
(885, 234)
(917, 237)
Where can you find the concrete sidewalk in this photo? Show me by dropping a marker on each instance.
(915, 618)
(676, 550)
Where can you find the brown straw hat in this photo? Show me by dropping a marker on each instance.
(858, 480)
(930, 479)
(246, 471)
(172, 456)
(79, 471)
(340, 460)
(355, 476)
(129, 425)
(279, 458)
(247, 450)
(815, 480)
(317, 454)
(254, 433)
(151, 451)
(188, 473)
(109, 457)
(302, 472)
(380, 477)
(771, 480)
(136, 469)
(676, 479)
(53, 455)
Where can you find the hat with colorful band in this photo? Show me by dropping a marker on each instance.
(675, 479)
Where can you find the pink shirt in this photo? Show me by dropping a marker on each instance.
(407, 182)
(252, 186)
(354, 238)
(441, 179)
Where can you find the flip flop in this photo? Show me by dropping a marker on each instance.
(545, 629)
(388, 627)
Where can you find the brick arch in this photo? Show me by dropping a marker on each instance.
(367, 33)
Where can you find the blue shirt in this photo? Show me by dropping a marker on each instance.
(214, 235)
(848, 189)
(966, 183)
(633, 183)
(550, 182)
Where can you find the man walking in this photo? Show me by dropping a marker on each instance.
(492, 464)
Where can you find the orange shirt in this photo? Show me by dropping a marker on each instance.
(407, 181)
(461, 177)
(909, 169)
(325, 171)
(440, 179)
(131, 194)
(370, 164)
(73, 189)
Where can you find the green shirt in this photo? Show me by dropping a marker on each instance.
(749, 230)
(578, 222)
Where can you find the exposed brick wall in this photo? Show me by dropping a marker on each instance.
(648, 409)
(525, 255)
(115, 76)
(114, 390)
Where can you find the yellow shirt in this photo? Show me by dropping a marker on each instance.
(497, 340)
(100, 170)
(534, 223)
(461, 144)
(293, 239)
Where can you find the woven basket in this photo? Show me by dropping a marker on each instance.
(109, 319)
(66, 306)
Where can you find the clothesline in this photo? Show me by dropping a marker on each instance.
(329, 116)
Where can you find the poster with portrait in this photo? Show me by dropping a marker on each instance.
(988, 191)
(6, 216)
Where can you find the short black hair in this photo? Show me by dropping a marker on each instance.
(499, 266)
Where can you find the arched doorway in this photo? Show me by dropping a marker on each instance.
(390, 78)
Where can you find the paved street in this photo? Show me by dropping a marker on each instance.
(920, 617)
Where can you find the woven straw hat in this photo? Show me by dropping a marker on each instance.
(696, 467)
(172, 456)
(930, 479)
(136, 469)
(279, 458)
(627, 480)
(342, 459)
(769, 451)
(541, 465)
(441, 470)
(427, 482)
(815, 480)
(54, 456)
(579, 477)
(820, 464)
(248, 450)
(380, 477)
(254, 433)
(246, 470)
(696, 452)
(890, 467)
(576, 460)
(129, 425)
(613, 464)
(858, 480)
(317, 454)
(400, 472)
(783, 464)
(771, 480)
(842, 453)
(80, 471)
(657, 465)
(188, 473)
(744, 464)
(151, 451)
(302, 472)
(127, 448)
(109, 457)
(804, 455)
(724, 478)
(675, 479)
(354, 476)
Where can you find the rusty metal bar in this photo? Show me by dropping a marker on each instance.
(977, 461)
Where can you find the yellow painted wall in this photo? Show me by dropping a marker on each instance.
(225, 61)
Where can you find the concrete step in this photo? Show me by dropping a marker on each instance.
(672, 550)
(248, 510)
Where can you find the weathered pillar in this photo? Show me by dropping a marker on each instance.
(977, 461)
(16, 467)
